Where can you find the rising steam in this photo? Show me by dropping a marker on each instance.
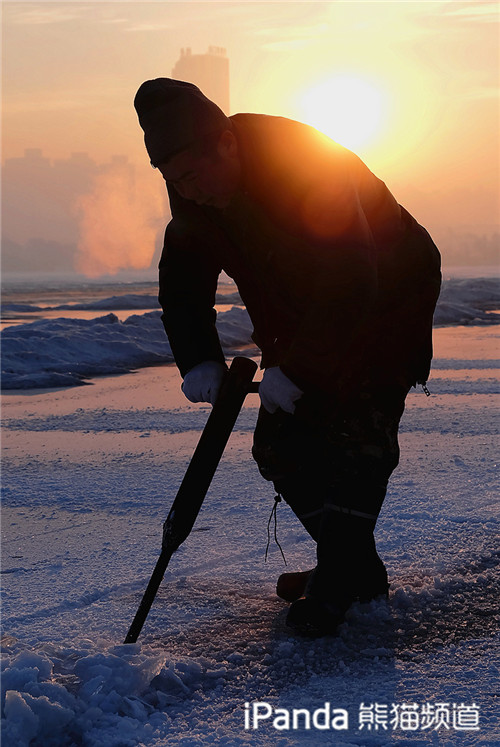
(119, 220)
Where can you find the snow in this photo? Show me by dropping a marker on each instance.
(111, 303)
(66, 352)
(89, 475)
(69, 351)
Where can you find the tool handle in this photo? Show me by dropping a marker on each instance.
(197, 479)
(208, 453)
(148, 597)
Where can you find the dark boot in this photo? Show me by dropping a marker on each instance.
(323, 606)
(374, 582)
(292, 586)
(314, 617)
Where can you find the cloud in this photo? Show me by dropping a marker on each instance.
(295, 32)
(43, 104)
(296, 37)
(48, 13)
(284, 46)
(303, 31)
(157, 26)
(479, 12)
(484, 92)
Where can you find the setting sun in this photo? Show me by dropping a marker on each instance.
(347, 108)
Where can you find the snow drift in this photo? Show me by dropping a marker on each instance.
(66, 352)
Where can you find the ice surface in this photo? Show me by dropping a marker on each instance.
(67, 351)
(89, 474)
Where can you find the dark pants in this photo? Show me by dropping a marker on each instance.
(333, 472)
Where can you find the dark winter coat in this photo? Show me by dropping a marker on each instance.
(339, 280)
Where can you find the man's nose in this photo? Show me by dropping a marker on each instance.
(189, 191)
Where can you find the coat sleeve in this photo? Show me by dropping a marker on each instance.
(188, 274)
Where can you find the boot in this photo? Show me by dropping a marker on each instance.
(291, 586)
(314, 617)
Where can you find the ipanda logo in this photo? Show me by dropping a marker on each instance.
(284, 719)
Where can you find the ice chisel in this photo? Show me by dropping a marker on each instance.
(198, 477)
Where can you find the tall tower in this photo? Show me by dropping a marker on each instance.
(210, 72)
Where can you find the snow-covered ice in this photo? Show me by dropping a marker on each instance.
(111, 303)
(89, 474)
(68, 351)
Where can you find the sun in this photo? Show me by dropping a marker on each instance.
(347, 108)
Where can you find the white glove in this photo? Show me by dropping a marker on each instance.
(276, 390)
(203, 382)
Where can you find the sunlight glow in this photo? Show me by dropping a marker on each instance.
(347, 108)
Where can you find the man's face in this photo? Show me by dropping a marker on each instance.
(208, 179)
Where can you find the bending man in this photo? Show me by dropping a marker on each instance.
(340, 283)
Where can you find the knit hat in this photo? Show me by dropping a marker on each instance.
(175, 115)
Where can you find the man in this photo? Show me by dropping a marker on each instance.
(340, 283)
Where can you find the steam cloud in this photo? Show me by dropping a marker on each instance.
(119, 221)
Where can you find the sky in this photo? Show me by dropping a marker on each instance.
(412, 87)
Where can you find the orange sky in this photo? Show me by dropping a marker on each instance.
(71, 70)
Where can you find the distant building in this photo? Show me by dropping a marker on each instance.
(209, 71)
